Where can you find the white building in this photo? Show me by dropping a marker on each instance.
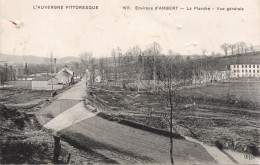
(24, 77)
(245, 70)
(46, 83)
(65, 76)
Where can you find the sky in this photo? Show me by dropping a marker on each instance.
(71, 32)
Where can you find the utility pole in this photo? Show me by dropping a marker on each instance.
(154, 79)
(51, 77)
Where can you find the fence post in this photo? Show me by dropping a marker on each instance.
(57, 147)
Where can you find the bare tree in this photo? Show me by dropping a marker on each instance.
(242, 45)
(238, 47)
(119, 54)
(49, 62)
(252, 49)
(204, 52)
(246, 49)
(85, 58)
(155, 50)
(113, 54)
(232, 47)
(173, 77)
(101, 67)
(92, 69)
(136, 51)
(225, 47)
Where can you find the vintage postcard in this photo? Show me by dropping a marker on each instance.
(129, 81)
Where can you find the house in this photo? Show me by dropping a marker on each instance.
(46, 83)
(245, 70)
(65, 76)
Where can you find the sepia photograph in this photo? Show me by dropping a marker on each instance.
(130, 82)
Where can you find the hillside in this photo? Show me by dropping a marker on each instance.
(222, 63)
(30, 59)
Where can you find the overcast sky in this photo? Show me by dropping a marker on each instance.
(70, 32)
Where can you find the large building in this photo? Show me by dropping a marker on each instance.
(245, 70)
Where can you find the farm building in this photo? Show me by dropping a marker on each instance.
(46, 83)
(65, 76)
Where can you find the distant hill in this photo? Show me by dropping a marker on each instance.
(30, 59)
(222, 63)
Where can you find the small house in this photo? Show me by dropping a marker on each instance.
(65, 76)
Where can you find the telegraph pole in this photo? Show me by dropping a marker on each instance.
(51, 78)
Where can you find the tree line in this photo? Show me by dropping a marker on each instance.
(237, 48)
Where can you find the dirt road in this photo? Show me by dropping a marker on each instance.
(118, 142)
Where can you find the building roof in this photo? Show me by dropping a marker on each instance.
(64, 73)
(25, 76)
(249, 63)
(42, 78)
(67, 70)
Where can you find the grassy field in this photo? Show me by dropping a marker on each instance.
(17, 96)
(212, 120)
(241, 91)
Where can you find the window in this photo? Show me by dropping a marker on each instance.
(242, 66)
(234, 71)
(246, 71)
(237, 71)
(257, 66)
(245, 66)
(253, 66)
(253, 71)
(249, 66)
(257, 71)
(242, 70)
(249, 71)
